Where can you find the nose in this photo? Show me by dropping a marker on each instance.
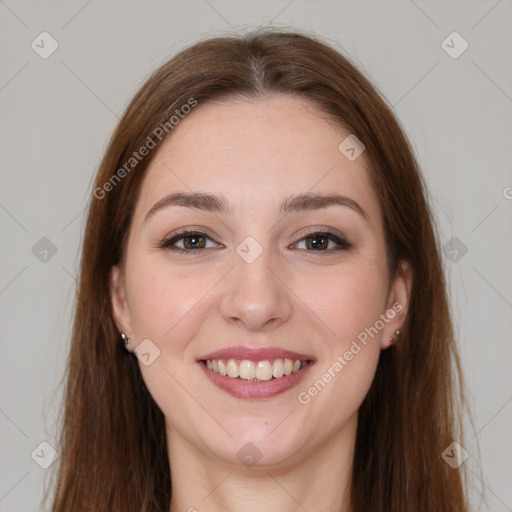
(254, 295)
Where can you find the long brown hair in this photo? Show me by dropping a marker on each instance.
(113, 452)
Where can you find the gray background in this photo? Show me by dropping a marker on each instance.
(57, 116)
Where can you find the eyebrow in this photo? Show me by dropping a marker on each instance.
(219, 204)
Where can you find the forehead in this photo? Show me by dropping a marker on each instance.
(255, 152)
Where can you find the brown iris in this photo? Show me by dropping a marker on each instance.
(317, 242)
(194, 242)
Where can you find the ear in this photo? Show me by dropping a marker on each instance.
(119, 304)
(398, 302)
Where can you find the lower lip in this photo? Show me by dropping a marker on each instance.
(241, 388)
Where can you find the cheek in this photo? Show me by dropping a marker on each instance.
(161, 296)
(348, 300)
(165, 304)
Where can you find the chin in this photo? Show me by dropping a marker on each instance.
(258, 447)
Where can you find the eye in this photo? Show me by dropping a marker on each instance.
(190, 241)
(323, 241)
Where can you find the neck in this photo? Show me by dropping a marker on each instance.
(318, 480)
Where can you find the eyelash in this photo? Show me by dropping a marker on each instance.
(168, 243)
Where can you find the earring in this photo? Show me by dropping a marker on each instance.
(396, 337)
(125, 339)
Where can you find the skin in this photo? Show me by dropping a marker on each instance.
(257, 153)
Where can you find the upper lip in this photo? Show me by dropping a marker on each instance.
(259, 354)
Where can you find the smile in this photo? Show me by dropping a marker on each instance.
(256, 371)
(254, 374)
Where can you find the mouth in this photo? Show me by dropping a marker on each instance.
(255, 371)
(255, 374)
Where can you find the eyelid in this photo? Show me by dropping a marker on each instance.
(320, 230)
(190, 230)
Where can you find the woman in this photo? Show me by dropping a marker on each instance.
(262, 319)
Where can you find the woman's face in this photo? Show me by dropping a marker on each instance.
(273, 271)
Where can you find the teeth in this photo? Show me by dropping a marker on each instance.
(278, 368)
(233, 369)
(222, 368)
(255, 370)
(264, 370)
(247, 370)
